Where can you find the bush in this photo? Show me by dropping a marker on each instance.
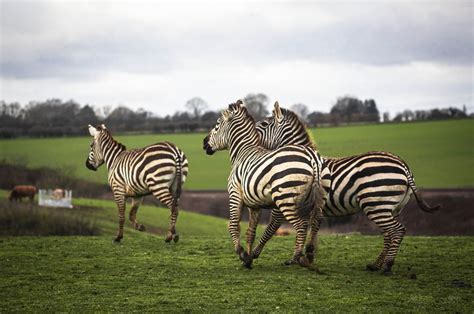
(26, 219)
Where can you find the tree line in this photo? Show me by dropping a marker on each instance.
(54, 117)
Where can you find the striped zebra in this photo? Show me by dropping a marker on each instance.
(378, 183)
(159, 169)
(285, 180)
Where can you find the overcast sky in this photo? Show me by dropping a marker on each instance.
(158, 55)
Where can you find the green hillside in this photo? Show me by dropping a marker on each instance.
(441, 153)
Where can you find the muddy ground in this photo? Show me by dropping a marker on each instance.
(456, 216)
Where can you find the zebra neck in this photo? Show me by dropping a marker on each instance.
(111, 149)
(243, 144)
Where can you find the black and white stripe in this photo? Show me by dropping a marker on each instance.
(286, 180)
(159, 169)
(378, 183)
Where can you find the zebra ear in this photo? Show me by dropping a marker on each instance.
(239, 103)
(225, 114)
(103, 126)
(277, 112)
(92, 130)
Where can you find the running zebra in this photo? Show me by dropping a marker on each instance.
(159, 169)
(286, 180)
(378, 183)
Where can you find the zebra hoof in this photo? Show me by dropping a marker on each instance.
(310, 257)
(168, 238)
(141, 227)
(246, 259)
(248, 263)
(387, 272)
(175, 238)
(290, 262)
(372, 267)
(117, 241)
(304, 262)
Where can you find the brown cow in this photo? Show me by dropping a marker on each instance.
(20, 191)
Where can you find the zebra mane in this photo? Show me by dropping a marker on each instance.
(102, 128)
(293, 116)
(239, 108)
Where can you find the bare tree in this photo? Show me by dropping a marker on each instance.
(301, 110)
(257, 105)
(196, 106)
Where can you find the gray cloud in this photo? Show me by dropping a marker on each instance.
(365, 33)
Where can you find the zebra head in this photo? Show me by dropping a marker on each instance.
(219, 137)
(95, 158)
(282, 128)
(273, 130)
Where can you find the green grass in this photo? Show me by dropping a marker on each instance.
(83, 274)
(441, 154)
(201, 273)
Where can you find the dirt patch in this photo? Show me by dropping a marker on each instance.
(454, 218)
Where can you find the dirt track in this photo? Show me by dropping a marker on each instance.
(456, 217)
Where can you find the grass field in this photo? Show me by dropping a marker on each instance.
(201, 273)
(441, 154)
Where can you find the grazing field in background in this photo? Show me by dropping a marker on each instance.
(202, 273)
(439, 153)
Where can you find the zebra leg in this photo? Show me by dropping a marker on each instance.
(396, 236)
(136, 202)
(235, 211)
(165, 196)
(393, 232)
(377, 265)
(301, 227)
(276, 220)
(254, 217)
(316, 218)
(120, 201)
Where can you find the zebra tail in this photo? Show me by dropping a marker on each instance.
(178, 179)
(419, 200)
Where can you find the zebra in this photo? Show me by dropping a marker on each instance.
(159, 169)
(286, 180)
(378, 183)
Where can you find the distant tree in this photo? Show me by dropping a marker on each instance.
(317, 118)
(370, 111)
(351, 109)
(301, 110)
(398, 117)
(386, 117)
(408, 115)
(85, 116)
(257, 105)
(120, 114)
(196, 106)
(421, 115)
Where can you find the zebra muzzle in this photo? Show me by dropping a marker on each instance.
(90, 166)
(206, 146)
